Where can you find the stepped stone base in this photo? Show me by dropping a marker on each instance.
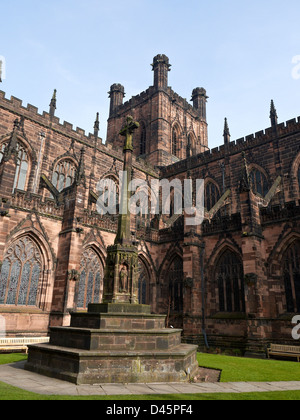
(121, 344)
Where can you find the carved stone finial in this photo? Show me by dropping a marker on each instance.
(53, 104)
(97, 125)
(273, 114)
(226, 133)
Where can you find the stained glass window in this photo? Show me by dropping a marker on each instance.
(175, 144)
(22, 166)
(291, 269)
(20, 274)
(64, 175)
(143, 284)
(91, 279)
(143, 140)
(212, 195)
(189, 151)
(259, 182)
(176, 284)
(229, 276)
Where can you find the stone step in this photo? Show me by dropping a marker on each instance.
(117, 321)
(112, 340)
(120, 308)
(100, 367)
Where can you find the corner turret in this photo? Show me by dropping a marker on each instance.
(161, 66)
(199, 99)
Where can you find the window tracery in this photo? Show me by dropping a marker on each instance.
(212, 195)
(291, 273)
(20, 273)
(176, 284)
(229, 277)
(259, 182)
(91, 279)
(64, 174)
(143, 279)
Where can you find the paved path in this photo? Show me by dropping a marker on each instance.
(14, 374)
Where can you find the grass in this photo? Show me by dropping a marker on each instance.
(238, 369)
(234, 369)
(6, 359)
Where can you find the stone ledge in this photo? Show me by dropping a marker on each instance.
(117, 321)
(95, 367)
(88, 331)
(181, 350)
(119, 308)
(112, 340)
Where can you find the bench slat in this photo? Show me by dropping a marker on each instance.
(22, 341)
(287, 351)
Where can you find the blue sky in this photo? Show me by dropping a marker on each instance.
(240, 51)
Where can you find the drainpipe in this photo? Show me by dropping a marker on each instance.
(203, 294)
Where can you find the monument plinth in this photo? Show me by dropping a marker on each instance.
(119, 340)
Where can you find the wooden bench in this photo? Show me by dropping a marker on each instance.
(9, 344)
(285, 351)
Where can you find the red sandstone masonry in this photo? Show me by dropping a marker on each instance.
(274, 154)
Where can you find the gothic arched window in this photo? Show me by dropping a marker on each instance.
(22, 166)
(20, 274)
(143, 276)
(259, 182)
(189, 147)
(291, 269)
(212, 195)
(176, 284)
(64, 174)
(229, 277)
(143, 140)
(175, 142)
(108, 189)
(91, 279)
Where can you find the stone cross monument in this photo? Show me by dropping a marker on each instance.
(117, 341)
(121, 282)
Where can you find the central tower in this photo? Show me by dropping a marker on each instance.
(170, 128)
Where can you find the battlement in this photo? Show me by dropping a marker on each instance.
(135, 101)
(183, 102)
(234, 147)
(144, 96)
(31, 112)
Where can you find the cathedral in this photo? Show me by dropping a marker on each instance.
(232, 282)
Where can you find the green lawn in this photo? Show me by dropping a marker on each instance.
(12, 358)
(238, 369)
(234, 369)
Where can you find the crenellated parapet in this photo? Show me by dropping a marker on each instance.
(45, 120)
(252, 141)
